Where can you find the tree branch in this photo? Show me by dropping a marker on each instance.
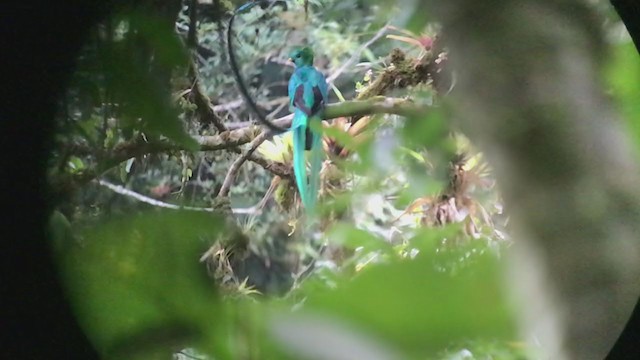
(239, 102)
(227, 140)
(148, 200)
(403, 72)
(233, 170)
(204, 107)
(373, 105)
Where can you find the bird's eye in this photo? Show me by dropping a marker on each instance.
(297, 55)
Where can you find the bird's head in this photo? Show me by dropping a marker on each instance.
(301, 56)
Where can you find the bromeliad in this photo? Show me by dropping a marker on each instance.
(308, 92)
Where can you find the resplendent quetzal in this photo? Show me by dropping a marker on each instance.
(308, 92)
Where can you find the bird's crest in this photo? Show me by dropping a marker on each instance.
(302, 56)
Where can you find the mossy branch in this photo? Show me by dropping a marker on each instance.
(226, 140)
(374, 105)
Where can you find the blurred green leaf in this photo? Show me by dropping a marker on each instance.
(352, 237)
(76, 164)
(88, 128)
(623, 75)
(419, 17)
(428, 130)
(501, 350)
(165, 43)
(60, 233)
(418, 308)
(414, 154)
(341, 136)
(145, 98)
(321, 337)
(428, 239)
(139, 277)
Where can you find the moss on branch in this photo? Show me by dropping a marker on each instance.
(226, 140)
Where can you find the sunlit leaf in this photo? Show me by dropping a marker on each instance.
(338, 93)
(76, 164)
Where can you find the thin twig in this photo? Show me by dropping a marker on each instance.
(233, 170)
(236, 72)
(151, 201)
(268, 194)
(274, 167)
(272, 188)
(239, 102)
(278, 109)
(238, 125)
(356, 55)
(228, 106)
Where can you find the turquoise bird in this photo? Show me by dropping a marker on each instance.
(308, 92)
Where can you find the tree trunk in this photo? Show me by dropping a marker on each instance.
(529, 93)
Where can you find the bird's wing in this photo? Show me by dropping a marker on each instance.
(308, 90)
(294, 81)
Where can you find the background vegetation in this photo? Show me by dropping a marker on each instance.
(179, 231)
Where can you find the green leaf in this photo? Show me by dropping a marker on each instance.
(414, 306)
(76, 164)
(167, 47)
(321, 337)
(347, 235)
(136, 81)
(414, 154)
(348, 142)
(623, 75)
(137, 281)
(338, 93)
(60, 233)
(427, 239)
(339, 135)
(430, 129)
(419, 17)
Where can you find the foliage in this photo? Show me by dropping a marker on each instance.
(622, 72)
(405, 260)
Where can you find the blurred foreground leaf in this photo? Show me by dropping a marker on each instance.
(316, 337)
(623, 75)
(418, 307)
(141, 85)
(136, 283)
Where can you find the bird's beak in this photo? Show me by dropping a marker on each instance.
(290, 59)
